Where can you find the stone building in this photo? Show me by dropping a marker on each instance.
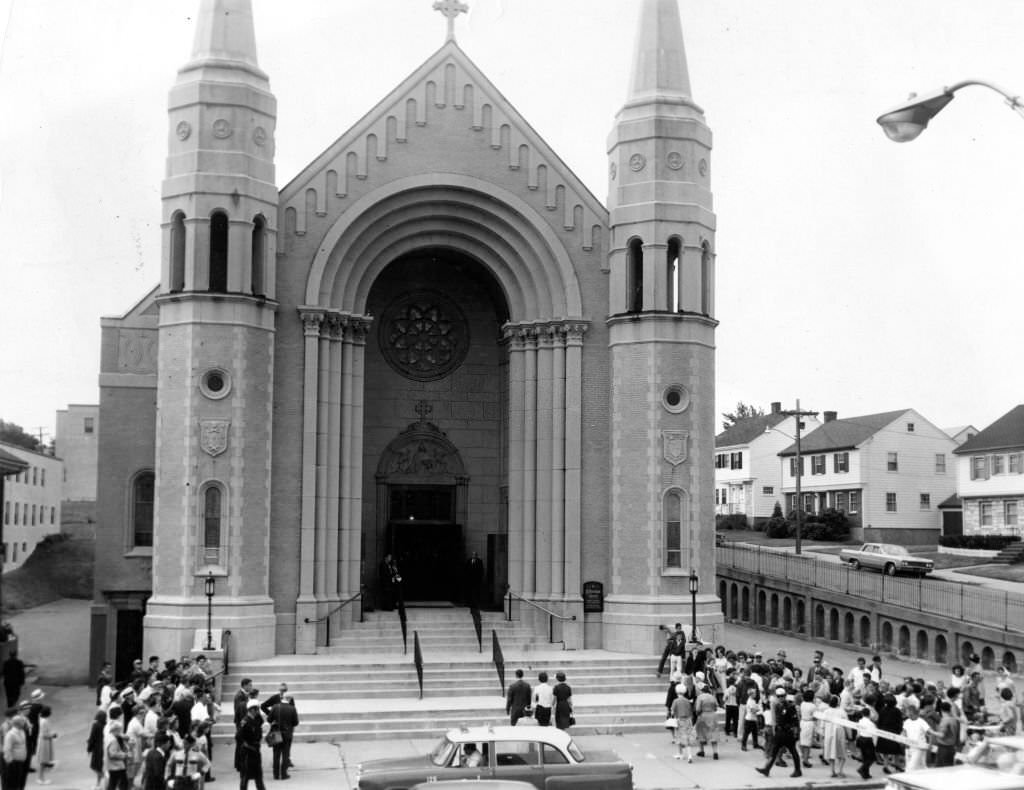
(433, 341)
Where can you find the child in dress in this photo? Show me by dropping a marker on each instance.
(46, 736)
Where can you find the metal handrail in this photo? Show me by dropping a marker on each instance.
(552, 616)
(327, 617)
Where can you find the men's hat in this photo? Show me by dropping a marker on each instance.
(37, 695)
(790, 698)
(781, 654)
(781, 692)
(253, 703)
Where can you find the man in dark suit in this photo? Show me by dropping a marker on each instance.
(14, 678)
(154, 767)
(284, 718)
(242, 697)
(273, 699)
(518, 698)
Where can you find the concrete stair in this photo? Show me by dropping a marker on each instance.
(1012, 554)
(364, 687)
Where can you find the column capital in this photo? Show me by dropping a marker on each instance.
(312, 320)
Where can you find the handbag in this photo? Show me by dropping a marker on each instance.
(671, 723)
(274, 738)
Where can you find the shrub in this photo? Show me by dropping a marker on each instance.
(777, 526)
(989, 542)
(731, 521)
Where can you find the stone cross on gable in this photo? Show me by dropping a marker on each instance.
(423, 409)
(451, 9)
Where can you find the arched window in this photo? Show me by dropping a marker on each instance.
(177, 283)
(635, 276)
(142, 510)
(219, 252)
(676, 527)
(213, 535)
(673, 290)
(259, 234)
(706, 273)
(213, 501)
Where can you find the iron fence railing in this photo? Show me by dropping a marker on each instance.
(969, 603)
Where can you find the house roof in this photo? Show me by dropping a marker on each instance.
(1004, 433)
(10, 464)
(843, 434)
(745, 431)
(952, 502)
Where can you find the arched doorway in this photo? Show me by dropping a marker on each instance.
(436, 353)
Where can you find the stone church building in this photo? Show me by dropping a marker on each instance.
(433, 342)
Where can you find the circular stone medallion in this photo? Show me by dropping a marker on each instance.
(183, 130)
(637, 162)
(674, 160)
(703, 167)
(424, 335)
(259, 135)
(222, 129)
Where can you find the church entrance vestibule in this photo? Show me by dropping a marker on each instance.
(425, 541)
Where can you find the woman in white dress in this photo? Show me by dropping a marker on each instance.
(807, 725)
(685, 735)
(833, 746)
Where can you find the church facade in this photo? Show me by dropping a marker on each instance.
(433, 342)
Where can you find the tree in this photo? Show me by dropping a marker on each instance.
(743, 411)
(14, 434)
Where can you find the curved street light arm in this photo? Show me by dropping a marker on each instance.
(1013, 101)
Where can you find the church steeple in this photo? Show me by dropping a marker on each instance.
(225, 36)
(661, 340)
(659, 61)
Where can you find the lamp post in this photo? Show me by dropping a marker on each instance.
(694, 586)
(799, 472)
(906, 121)
(211, 584)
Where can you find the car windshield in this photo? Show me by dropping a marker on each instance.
(442, 753)
(890, 549)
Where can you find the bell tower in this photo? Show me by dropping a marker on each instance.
(216, 340)
(662, 347)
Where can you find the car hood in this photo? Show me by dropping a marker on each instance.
(397, 764)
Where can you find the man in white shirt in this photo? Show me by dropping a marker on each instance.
(543, 700)
(856, 674)
(916, 729)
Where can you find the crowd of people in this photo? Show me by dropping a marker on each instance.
(153, 730)
(26, 734)
(544, 703)
(840, 713)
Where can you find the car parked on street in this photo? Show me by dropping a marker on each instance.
(545, 757)
(888, 558)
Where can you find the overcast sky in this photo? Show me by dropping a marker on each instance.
(853, 273)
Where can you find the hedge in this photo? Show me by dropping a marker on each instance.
(990, 542)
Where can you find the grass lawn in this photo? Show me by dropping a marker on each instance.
(60, 567)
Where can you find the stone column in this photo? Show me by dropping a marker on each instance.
(557, 511)
(322, 418)
(529, 461)
(544, 457)
(348, 584)
(305, 637)
(335, 331)
(359, 326)
(516, 450)
(573, 453)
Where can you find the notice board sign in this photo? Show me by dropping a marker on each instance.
(593, 597)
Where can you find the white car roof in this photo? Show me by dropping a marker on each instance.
(551, 735)
(958, 777)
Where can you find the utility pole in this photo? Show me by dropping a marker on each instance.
(799, 503)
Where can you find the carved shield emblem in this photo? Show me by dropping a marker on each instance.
(675, 445)
(213, 436)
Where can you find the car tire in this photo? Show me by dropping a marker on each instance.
(855, 565)
(890, 569)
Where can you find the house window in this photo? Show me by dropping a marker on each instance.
(17, 509)
(890, 502)
(854, 501)
(841, 501)
(985, 514)
(892, 463)
(53, 515)
(768, 490)
(998, 464)
(979, 467)
(674, 514)
(33, 516)
(926, 501)
(940, 463)
(817, 464)
(720, 461)
(910, 427)
(142, 510)
(35, 475)
(42, 478)
(809, 503)
(1010, 513)
(7, 512)
(736, 460)
(89, 424)
(1014, 464)
(792, 466)
(841, 462)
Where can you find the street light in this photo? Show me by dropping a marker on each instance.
(211, 584)
(694, 586)
(906, 121)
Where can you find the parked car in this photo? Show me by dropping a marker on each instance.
(545, 757)
(991, 764)
(888, 558)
